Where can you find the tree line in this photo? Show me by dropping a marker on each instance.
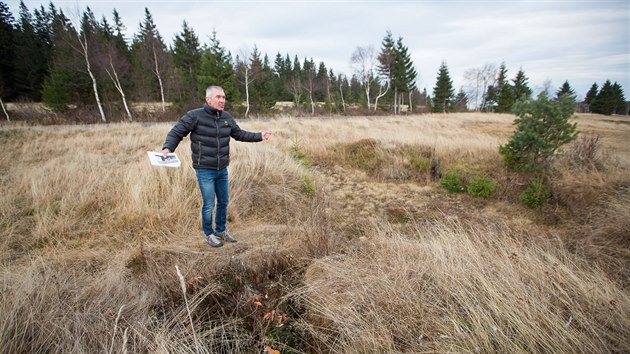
(87, 62)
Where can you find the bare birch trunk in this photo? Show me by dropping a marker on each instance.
(159, 77)
(343, 103)
(118, 86)
(330, 99)
(84, 46)
(367, 95)
(310, 97)
(4, 110)
(246, 90)
(380, 95)
(410, 104)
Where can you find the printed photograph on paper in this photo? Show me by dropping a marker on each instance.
(157, 159)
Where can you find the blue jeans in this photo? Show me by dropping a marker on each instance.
(213, 183)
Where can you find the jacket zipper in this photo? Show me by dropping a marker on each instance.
(218, 143)
(199, 156)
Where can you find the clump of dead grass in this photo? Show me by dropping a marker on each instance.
(397, 162)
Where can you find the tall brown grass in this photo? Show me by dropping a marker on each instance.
(333, 255)
(451, 286)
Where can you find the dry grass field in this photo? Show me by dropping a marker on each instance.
(346, 243)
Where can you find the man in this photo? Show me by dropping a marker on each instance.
(210, 129)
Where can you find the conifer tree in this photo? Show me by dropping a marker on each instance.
(443, 92)
(187, 59)
(521, 89)
(216, 69)
(281, 77)
(493, 92)
(591, 95)
(119, 39)
(7, 31)
(151, 63)
(542, 127)
(405, 73)
(605, 101)
(66, 82)
(505, 91)
(620, 101)
(29, 66)
(323, 84)
(461, 101)
(566, 89)
(261, 87)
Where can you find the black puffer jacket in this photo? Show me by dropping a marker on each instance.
(210, 131)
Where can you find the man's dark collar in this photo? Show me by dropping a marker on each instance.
(211, 109)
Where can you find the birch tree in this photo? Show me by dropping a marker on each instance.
(363, 61)
(112, 59)
(294, 86)
(342, 79)
(309, 81)
(84, 35)
(244, 76)
(385, 65)
(477, 82)
(116, 64)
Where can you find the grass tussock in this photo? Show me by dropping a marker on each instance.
(398, 162)
(345, 242)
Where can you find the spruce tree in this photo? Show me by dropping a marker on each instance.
(620, 100)
(542, 127)
(590, 96)
(405, 71)
(461, 101)
(566, 89)
(386, 58)
(521, 89)
(187, 59)
(323, 83)
(119, 39)
(67, 81)
(605, 102)
(443, 92)
(151, 63)
(29, 67)
(7, 44)
(505, 96)
(491, 99)
(216, 69)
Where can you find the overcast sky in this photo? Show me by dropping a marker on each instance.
(584, 42)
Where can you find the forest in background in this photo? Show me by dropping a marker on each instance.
(87, 66)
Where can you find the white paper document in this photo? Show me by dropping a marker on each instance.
(157, 159)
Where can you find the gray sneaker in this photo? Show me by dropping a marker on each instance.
(225, 236)
(214, 241)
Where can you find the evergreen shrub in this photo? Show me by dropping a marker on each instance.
(451, 181)
(536, 194)
(480, 187)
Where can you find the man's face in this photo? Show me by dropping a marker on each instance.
(217, 100)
